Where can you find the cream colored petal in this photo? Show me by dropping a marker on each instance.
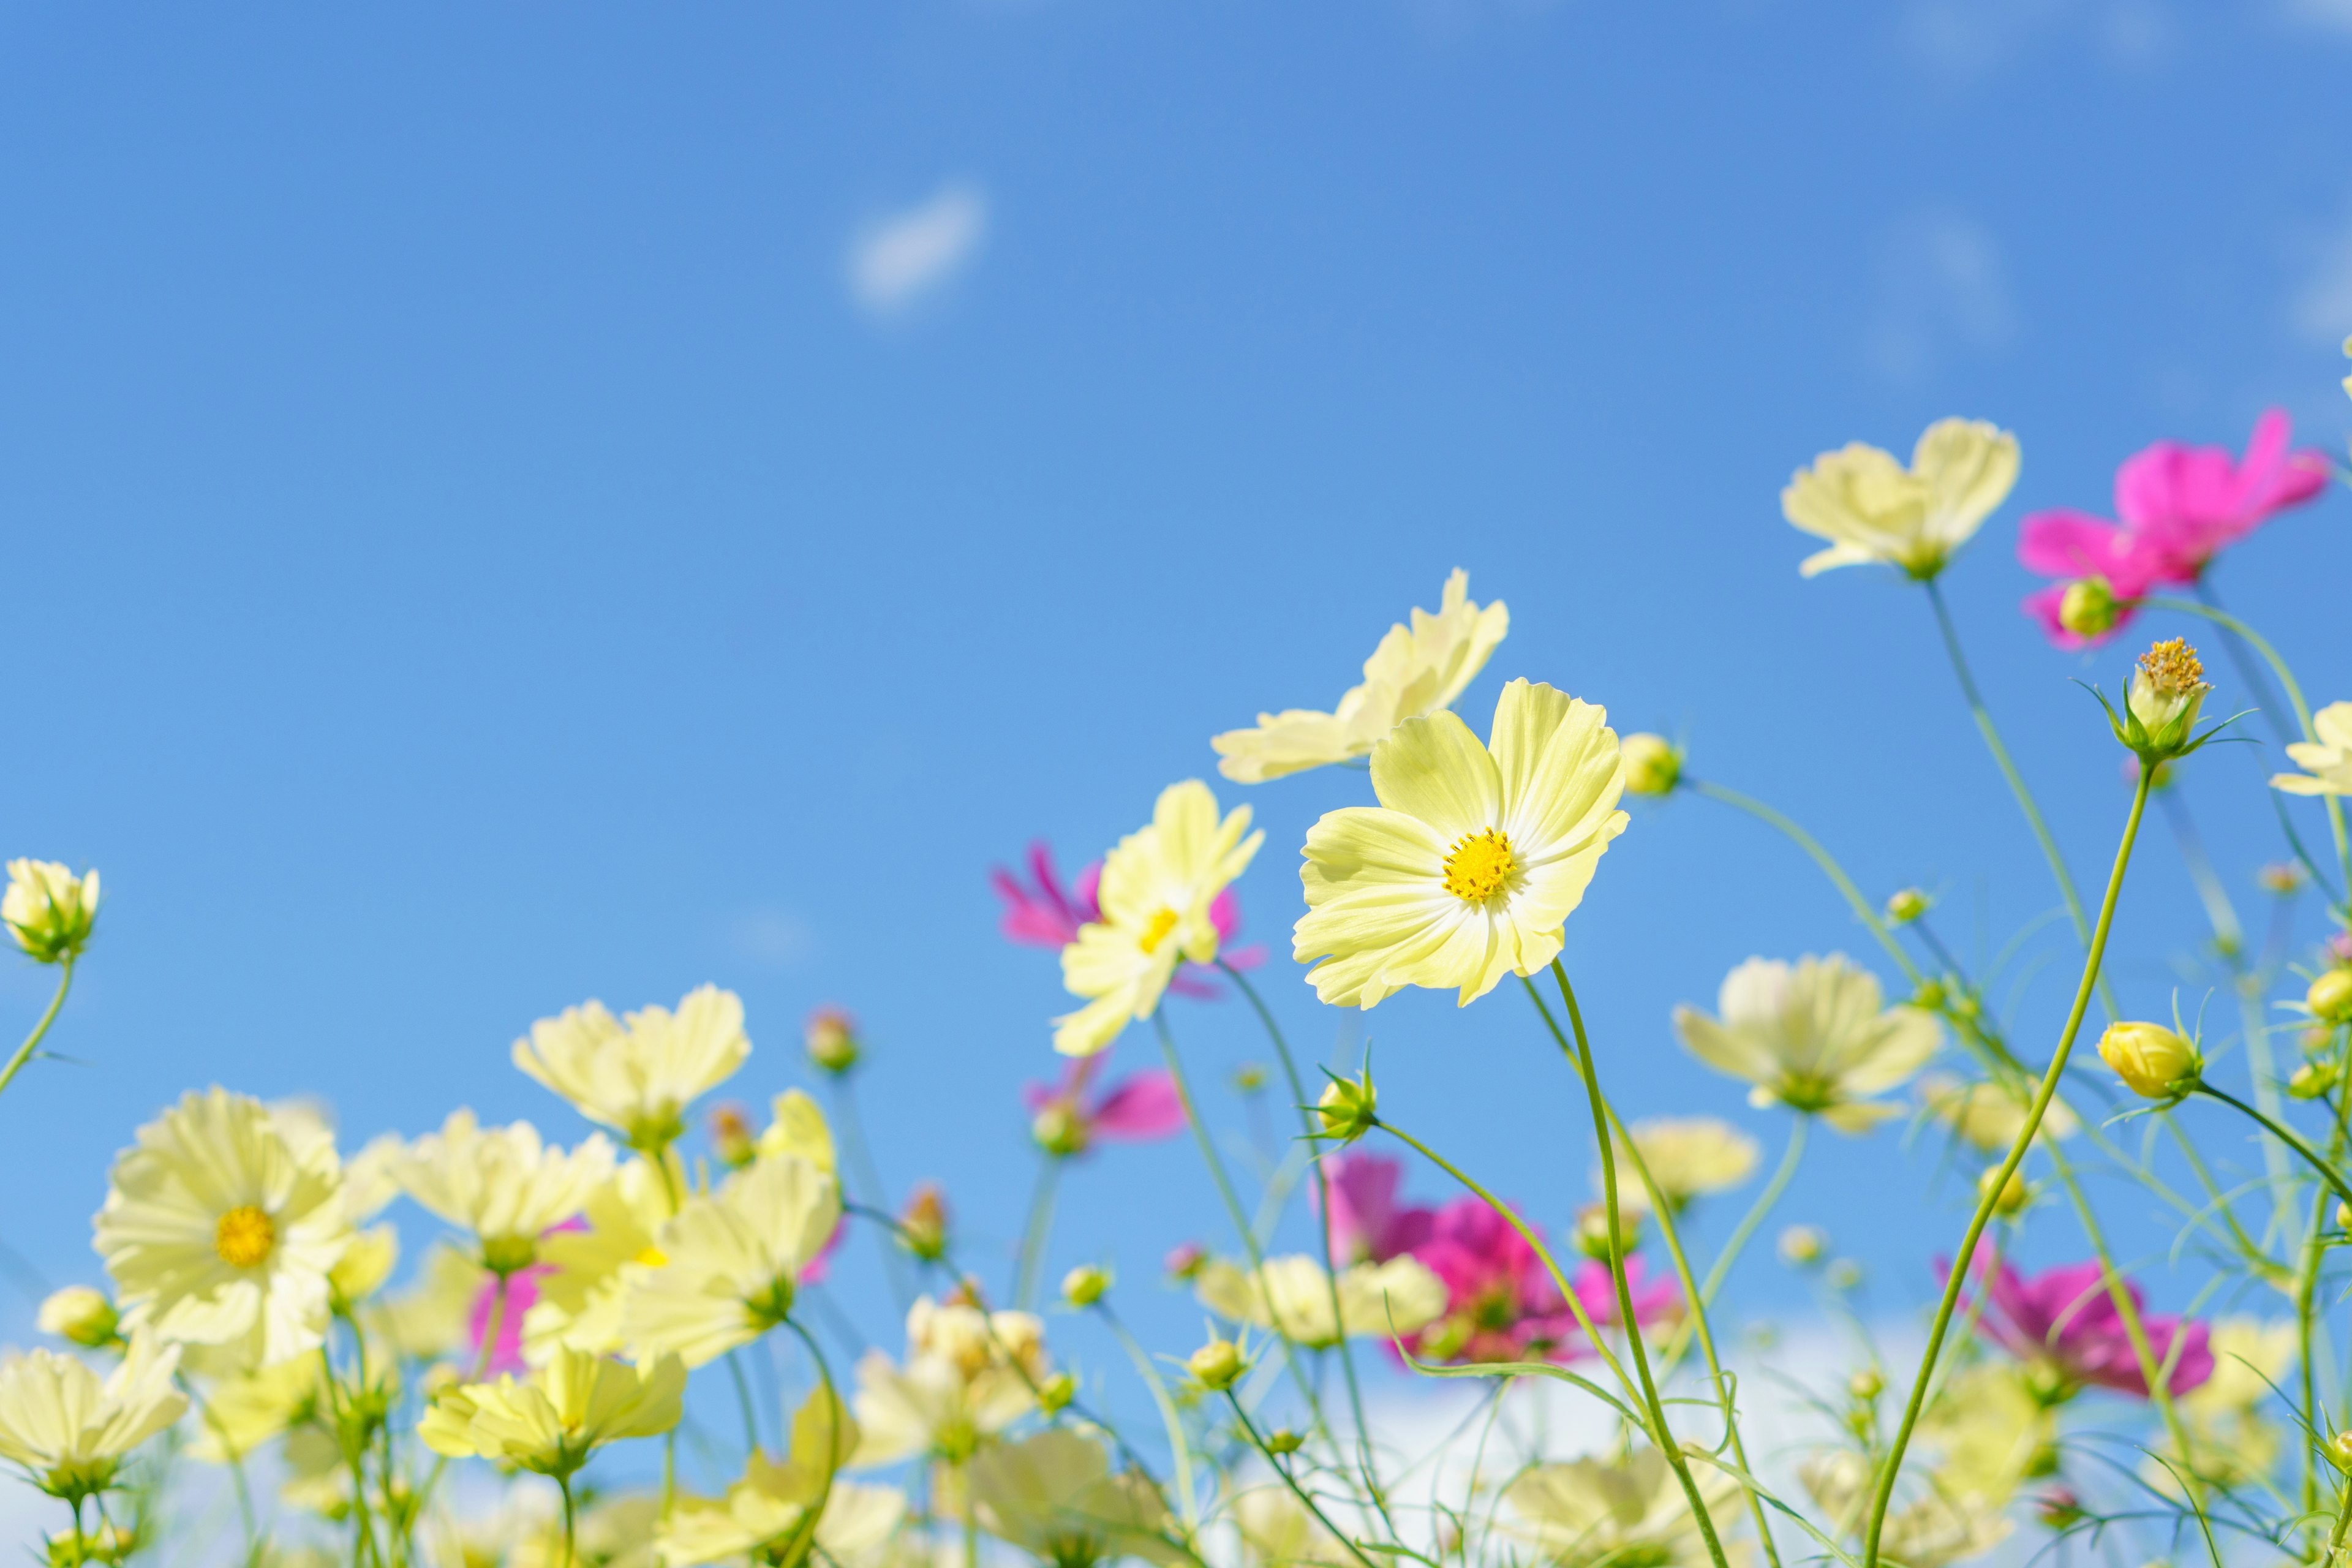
(1904, 1038)
(1434, 769)
(2333, 725)
(1726, 1050)
(1969, 466)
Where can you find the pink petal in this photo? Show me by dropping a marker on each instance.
(821, 1264)
(1142, 1107)
(2071, 544)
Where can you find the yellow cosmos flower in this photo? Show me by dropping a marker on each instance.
(243, 1409)
(591, 1270)
(71, 1430)
(2326, 762)
(767, 1515)
(1939, 1527)
(1689, 1157)
(430, 1318)
(1813, 1037)
(49, 910)
(1413, 673)
(1402, 1295)
(1155, 893)
(1987, 1115)
(799, 1131)
(638, 1074)
(2232, 1445)
(1871, 508)
(1277, 1531)
(1054, 1496)
(968, 1375)
(219, 1231)
(1589, 1513)
(569, 1408)
(1473, 860)
(501, 1183)
(732, 1261)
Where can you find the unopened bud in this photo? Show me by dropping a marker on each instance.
(1249, 1078)
(1865, 1385)
(1283, 1440)
(831, 1040)
(1906, 905)
(1592, 1231)
(2013, 1192)
(2330, 996)
(1055, 1393)
(2311, 1080)
(2281, 877)
(1803, 1245)
(1084, 1285)
(2154, 1062)
(1346, 1110)
(1930, 997)
(49, 908)
(2343, 1216)
(2088, 608)
(2058, 1508)
(923, 1223)
(2339, 1450)
(1185, 1260)
(1217, 1366)
(730, 1136)
(1844, 1274)
(1652, 764)
(82, 1315)
(1059, 1129)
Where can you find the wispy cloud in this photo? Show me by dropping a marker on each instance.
(1942, 292)
(2320, 309)
(773, 939)
(1965, 39)
(2334, 14)
(902, 258)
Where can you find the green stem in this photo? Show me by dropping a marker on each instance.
(1292, 1482)
(1821, 858)
(858, 1155)
(2049, 1088)
(745, 1403)
(24, 1052)
(2310, 1155)
(1033, 1235)
(1180, 1450)
(571, 1525)
(833, 1413)
(2306, 1296)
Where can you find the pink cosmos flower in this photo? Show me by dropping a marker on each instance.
(2179, 507)
(2065, 1319)
(1368, 1224)
(1043, 912)
(1501, 1302)
(1071, 1117)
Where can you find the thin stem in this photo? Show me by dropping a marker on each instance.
(744, 1403)
(1031, 1260)
(2310, 1155)
(2042, 1097)
(1292, 1482)
(1821, 858)
(1662, 1432)
(1168, 1418)
(860, 1158)
(571, 1525)
(833, 1457)
(24, 1052)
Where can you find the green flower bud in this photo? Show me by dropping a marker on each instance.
(2089, 607)
(1084, 1285)
(1217, 1366)
(831, 1040)
(2013, 1192)
(2330, 996)
(1283, 1440)
(1055, 1393)
(1652, 764)
(1347, 1108)
(1803, 1245)
(2154, 1062)
(1906, 905)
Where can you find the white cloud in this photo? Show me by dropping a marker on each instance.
(2334, 14)
(1942, 291)
(897, 261)
(776, 939)
(1965, 39)
(2321, 307)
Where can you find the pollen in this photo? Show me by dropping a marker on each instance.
(1156, 930)
(1479, 866)
(246, 1237)
(2173, 667)
(652, 1256)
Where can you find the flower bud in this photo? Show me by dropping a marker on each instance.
(49, 910)
(2311, 1080)
(2343, 1216)
(1844, 1275)
(1059, 1130)
(1906, 905)
(923, 1223)
(831, 1040)
(1347, 1106)
(1054, 1393)
(1249, 1078)
(1084, 1285)
(2089, 608)
(1185, 1261)
(2339, 1450)
(1803, 1245)
(1593, 1230)
(2013, 1192)
(1446, 1338)
(2167, 686)
(2281, 877)
(2330, 996)
(1865, 1385)
(1217, 1366)
(1652, 764)
(1930, 997)
(1283, 1440)
(2058, 1508)
(730, 1136)
(2154, 1062)
(82, 1315)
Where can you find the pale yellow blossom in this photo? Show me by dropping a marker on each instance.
(732, 1262)
(2326, 762)
(1872, 507)
(1589, 1513)
(1375, 1299)
(574, 1405)
(49, 910)
(768, 1514)
(501, 1183)
(1813, 1037)
(1055, 1496)
(639, 1074)
(1687, 1157)
(69, 1428)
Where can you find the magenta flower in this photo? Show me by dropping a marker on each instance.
(1368, 1224)
(2065, 1319)
(1071, 1117)
(1043, 912)
(1501, 1301)
(521, 1289)
(2179, 507)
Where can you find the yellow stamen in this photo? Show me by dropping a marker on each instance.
(652, 1256)
(2173, 667)
(1479, 866)
(1156, 932)
(246, 1237)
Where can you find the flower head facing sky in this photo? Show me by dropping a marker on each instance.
(1871, 508)
(636, 1075)
(502, 1184)
(1812, 1036)
(1474, 857)
(71, 1429)
(566, 1410)
(1416, 671)
(1040, 911)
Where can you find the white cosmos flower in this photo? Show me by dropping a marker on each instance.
(1813, 1037)
(638, 1074)
(732, 1262)
(501, 1183)
(1295, 1295)
(69, 1429)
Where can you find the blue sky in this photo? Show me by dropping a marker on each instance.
(510, 504)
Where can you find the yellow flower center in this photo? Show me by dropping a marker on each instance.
(246, 1237)
(2173, 667)
(1156, 930)
(1479, 866)
(652, 1256)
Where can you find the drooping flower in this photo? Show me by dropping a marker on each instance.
(1812, 1037)
(2328, 761)
(1987, 1115)
(1592, 1513)
(732, 1262)
(637, 1074)
(569, 1408)
(1157, 888)
(1871, 508)
(49, 910)
(1368, 1224)
(1400, 1296)
(2065, 1322)
(2179, 506)
(501, 1183)
(968, 1374)
(1687, 1157)
(1069, 1118)
(1474, 859)
(778, 1507)
(1055, 1496)
(220, 1231)
(1041, 912)
(1413, 673)
(71, 1431)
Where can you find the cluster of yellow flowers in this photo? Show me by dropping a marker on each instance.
(585, 1298)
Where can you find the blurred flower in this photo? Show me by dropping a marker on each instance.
(2105, 572)
(1084, 1285)
(1474, 858)
(1906, 904)
(732, 1262)
(1071, 1117)
(244, 1408)
(49, 908)
(1803, 1245)
(2232, 1445)
(501, 1183)
(2065, 1321)
(218, 1231)
(1654, 765)
(613, 1532)
(2326, 762)
(2284, 877)
(966, 1376)
(1218, 1364)
(637, 1074)
(766, 1515)
(1184, 1260)
(1989, 1115)
(1687, 1157)
(1157, 888)
(577, 1291)
(1871, 508)
(574, 1405)
(1937, 1528)
(69, 1430)
(1413, 673)
(80, 1315)
(1375, 1299)
(923, 1222)
(507, 1300)
(1054, 1496)
(1502, 1304)
(2329, 998)
(364, 1266)
(1277, 1531)
(429, 1318)
(1813, 1037)
(731, 1138)
(1593, 1513)
(1368, 1224)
